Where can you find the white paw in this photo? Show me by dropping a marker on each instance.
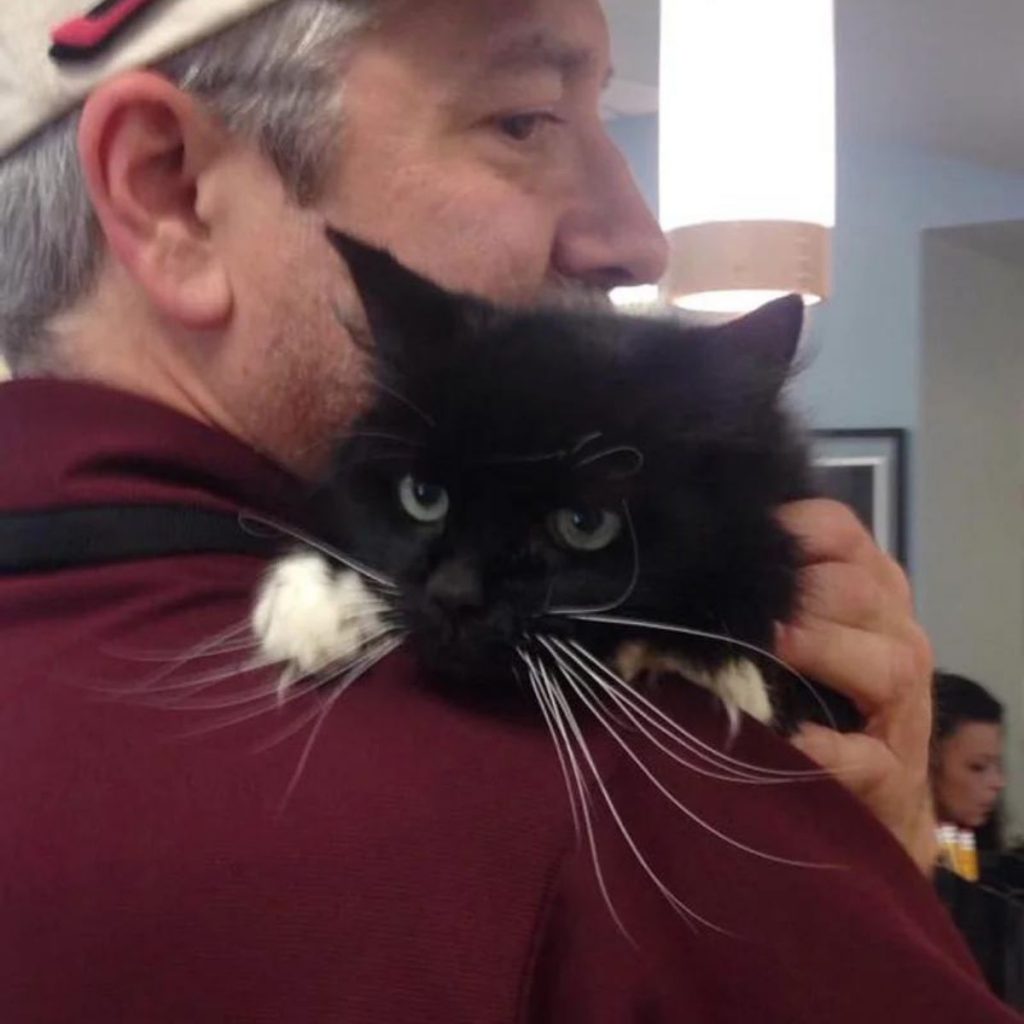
(309, 615)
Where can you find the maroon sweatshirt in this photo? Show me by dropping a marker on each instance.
(424, 867)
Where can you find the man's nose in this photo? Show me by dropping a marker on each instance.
(608, 238)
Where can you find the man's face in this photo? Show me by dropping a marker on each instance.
(970, 775)
(472, 147)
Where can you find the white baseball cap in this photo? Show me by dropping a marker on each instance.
(54, 52)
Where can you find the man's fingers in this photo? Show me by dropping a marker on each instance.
(830, 532)
(848, 595)
(855, 631)
(855, 662)
(859, 761)
(883, 676)
(827, 530)
(898, 795)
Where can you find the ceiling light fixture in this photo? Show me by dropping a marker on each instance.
(747, 150)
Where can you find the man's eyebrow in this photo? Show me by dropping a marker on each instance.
(540, 50)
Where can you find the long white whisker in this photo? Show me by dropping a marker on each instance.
(373, 435)
(210, 646)
(585, 440)
(636, 718)
(686, 912)
(721, 757)
(307, 749)
(628, 701)
(159, 696)
(279, 687)
(523, 460)
(279, 692)
(222, 704)
(546, 684)
(339, 665)
(546, 690)
(615, 620)
(361, 667)
(581, 691)
(273, 702)
(332, 553)
(644, 723)
(563, 765)
(359, 670)
(607, 452)
(179, 659)
(294, 727)
(151, 694)
(304, 686)
(636, 703)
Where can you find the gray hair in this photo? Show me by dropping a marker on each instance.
(273, 78)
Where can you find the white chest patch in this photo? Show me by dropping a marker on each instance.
(309, 615)
(740, 686)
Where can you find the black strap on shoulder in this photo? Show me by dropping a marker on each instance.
(91, 535)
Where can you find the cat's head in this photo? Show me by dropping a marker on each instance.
(522, 466)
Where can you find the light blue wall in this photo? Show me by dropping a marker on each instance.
(637, 137)
(866, 340)
(970, 466)
(865, 343)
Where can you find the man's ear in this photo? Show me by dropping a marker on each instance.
(145, 149)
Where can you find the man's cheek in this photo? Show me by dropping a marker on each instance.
(503, 251)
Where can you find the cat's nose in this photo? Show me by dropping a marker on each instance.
(455, 585)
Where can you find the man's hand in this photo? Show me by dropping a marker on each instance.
(856, 632)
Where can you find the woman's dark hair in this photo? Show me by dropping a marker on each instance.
(958, 700)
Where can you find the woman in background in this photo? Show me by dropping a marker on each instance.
(967, 764)
(967, 781)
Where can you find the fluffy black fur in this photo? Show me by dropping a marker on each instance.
(677, 431)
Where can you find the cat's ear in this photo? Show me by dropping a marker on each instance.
(731, 374)
(763, 343)
(402, 308)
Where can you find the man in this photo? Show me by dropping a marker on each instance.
(172, 313)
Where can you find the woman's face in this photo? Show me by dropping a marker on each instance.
(969, 773)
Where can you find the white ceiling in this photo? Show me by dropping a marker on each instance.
(947, 75)
(635, 55)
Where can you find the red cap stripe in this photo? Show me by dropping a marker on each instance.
(89, 32)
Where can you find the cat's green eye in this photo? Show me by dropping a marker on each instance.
(423, 501)
(582, 529)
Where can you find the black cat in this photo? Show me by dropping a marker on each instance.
(531, 487)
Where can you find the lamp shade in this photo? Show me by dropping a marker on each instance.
(747, 150)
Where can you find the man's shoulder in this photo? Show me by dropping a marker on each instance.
(690, 893)
(388, 839)
(390, 825)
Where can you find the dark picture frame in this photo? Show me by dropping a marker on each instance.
(866, 469)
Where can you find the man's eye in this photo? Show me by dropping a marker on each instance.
(524, 127)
